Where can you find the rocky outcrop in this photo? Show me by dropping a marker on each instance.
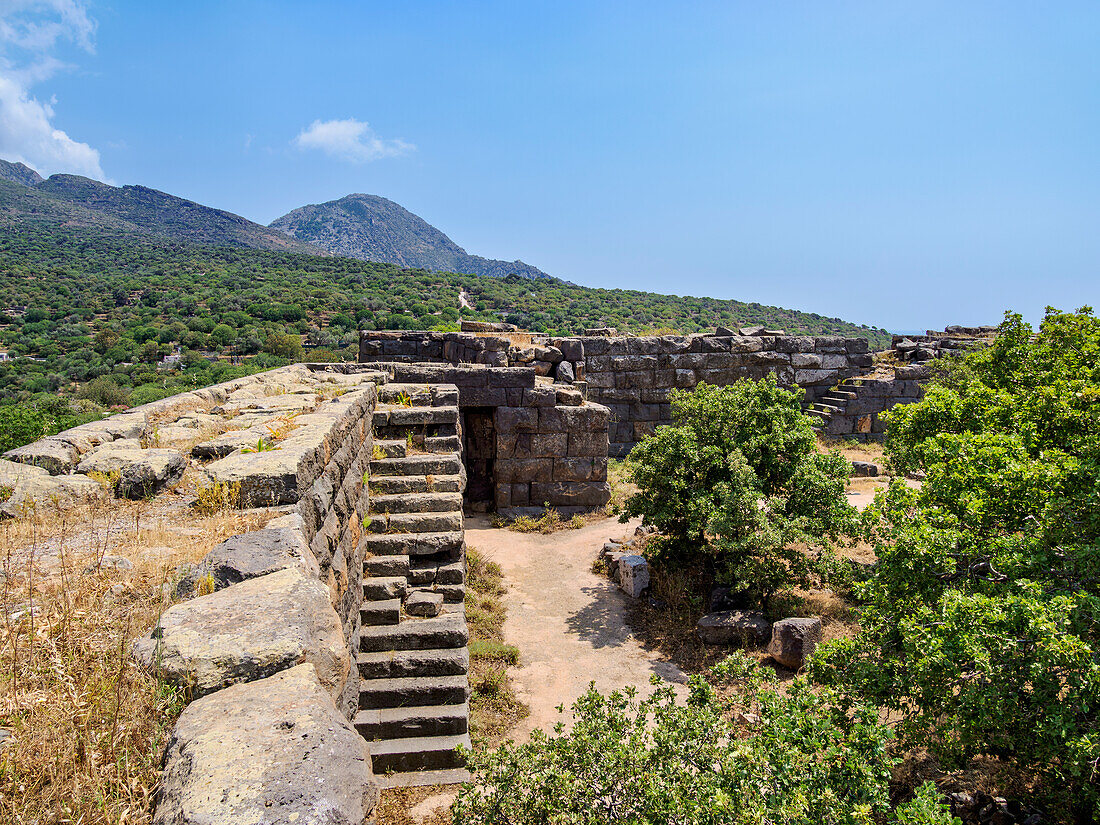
(274, 751)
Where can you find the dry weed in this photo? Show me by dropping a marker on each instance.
(87, 725)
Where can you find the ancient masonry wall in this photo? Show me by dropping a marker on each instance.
(267, 658)
(634, 376)
(550, 445)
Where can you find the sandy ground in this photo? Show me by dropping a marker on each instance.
(568, 623)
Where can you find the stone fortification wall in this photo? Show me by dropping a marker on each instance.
(268, 628)
(634, 376)
(549, 445)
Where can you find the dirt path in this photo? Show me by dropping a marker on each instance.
(568, 623)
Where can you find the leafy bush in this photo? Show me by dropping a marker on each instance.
(792, 755)
(982, 623)
(104, 391)
(736, 482)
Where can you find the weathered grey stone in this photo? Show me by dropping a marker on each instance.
(150, 473)
(424, 603)
(222, 445)
(12, 472)
(633, 575)
(565, 373)
(271, 752)
(53, 492)
(110, 563)
(249, 556)
(794, 641)
(111, 457)
(733, 627)
(54, 455)
(864, 469)
(247, 632)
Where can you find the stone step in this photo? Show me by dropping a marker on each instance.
(394, 565)
(819, 407)
(416, 465)
(416, 721)
(390, 448)
(397, 416)
(418, 395)
(383, 588)
(394, 485)
(834, 400)
(413, 690)
(390, 664)
(416, 503)
(414, 544)
(417, 779)
(444, 631)
(387, 612)
(452, 593)
(423, 572)
(418, 753)
(848, 394)
(442, 444)
(416, 522)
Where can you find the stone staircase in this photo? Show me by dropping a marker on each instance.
(413, 659)
(832, 404)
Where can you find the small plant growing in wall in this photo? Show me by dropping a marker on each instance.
(205, 586)
(261, 447)
(404, 399)
(376, 454)
(216, 497)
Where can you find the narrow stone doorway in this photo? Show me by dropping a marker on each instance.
(480, 452)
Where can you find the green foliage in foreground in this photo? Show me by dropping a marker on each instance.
(736, 482)
(982, 623)
(23, 423)
(801, 759)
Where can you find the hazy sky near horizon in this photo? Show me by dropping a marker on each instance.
(906, 165)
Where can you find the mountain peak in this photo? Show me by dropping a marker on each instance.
(374, 228)
(19, 173)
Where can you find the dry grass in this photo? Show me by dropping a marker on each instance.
(89, 726)
(494, 708)
(853, 450)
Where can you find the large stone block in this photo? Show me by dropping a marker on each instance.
(588, 444)
(733, 627)
(633, 575)
(580, 469)
(516, 419)
(149, 473)
(54, 455)
(524, 470)
(580, 493)
(249, 556)
(247, 632)
(794, 343)
(274, 751)
(794, 641)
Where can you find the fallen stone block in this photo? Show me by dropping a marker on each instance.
(633, 575)
(249, 556)
(247, 632)
(52, 454)
(272, 751)
(864, 469)
(733, 627)
(151, 473)
(794, 641)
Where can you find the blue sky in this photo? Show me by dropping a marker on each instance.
(901, 164)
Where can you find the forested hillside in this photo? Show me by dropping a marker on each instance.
(148, 317)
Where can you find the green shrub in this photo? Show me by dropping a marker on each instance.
(800, 759)
(982, 622)
(104, 391)
(736, 482)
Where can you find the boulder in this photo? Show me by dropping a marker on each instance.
(275, 751)
(249, 631)
(794, 641)
(52, 454)
(733, 627)
(864, 469)
(249, 556)
(565, 373)
(424, 603)
(151, 473)
(12, 472)
(724, 332)
(633, 575)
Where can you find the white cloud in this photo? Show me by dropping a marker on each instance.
(29, 32)
(352, 140)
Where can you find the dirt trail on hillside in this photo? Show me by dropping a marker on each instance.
(568, 623)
